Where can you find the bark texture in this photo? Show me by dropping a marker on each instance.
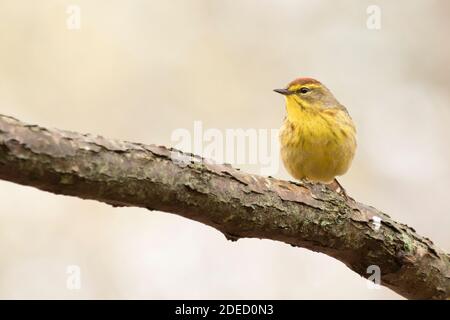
(237, 204)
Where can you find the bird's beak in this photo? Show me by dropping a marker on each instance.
(284, 92)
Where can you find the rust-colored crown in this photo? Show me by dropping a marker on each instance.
(301, 81)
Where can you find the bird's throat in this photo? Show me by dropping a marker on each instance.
(297, 110)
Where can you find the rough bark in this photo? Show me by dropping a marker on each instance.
(237, 204)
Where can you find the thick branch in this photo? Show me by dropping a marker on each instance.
(238, 204)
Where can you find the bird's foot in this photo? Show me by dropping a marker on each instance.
(337, 187)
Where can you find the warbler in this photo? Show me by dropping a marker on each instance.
(318, 136)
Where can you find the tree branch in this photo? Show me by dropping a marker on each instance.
(239, 205)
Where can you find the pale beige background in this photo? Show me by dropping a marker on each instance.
(138, 70)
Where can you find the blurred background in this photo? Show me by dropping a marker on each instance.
(138, 70)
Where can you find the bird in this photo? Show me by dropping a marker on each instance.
(318, 136)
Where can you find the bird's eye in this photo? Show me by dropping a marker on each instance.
(304, 90)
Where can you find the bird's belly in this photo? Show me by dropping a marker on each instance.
(317, 155)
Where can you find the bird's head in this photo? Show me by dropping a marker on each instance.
(308, 94)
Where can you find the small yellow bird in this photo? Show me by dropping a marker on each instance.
(318, 137)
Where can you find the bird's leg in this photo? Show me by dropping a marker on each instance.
(340, 189)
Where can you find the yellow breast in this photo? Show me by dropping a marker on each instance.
(318, 146)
